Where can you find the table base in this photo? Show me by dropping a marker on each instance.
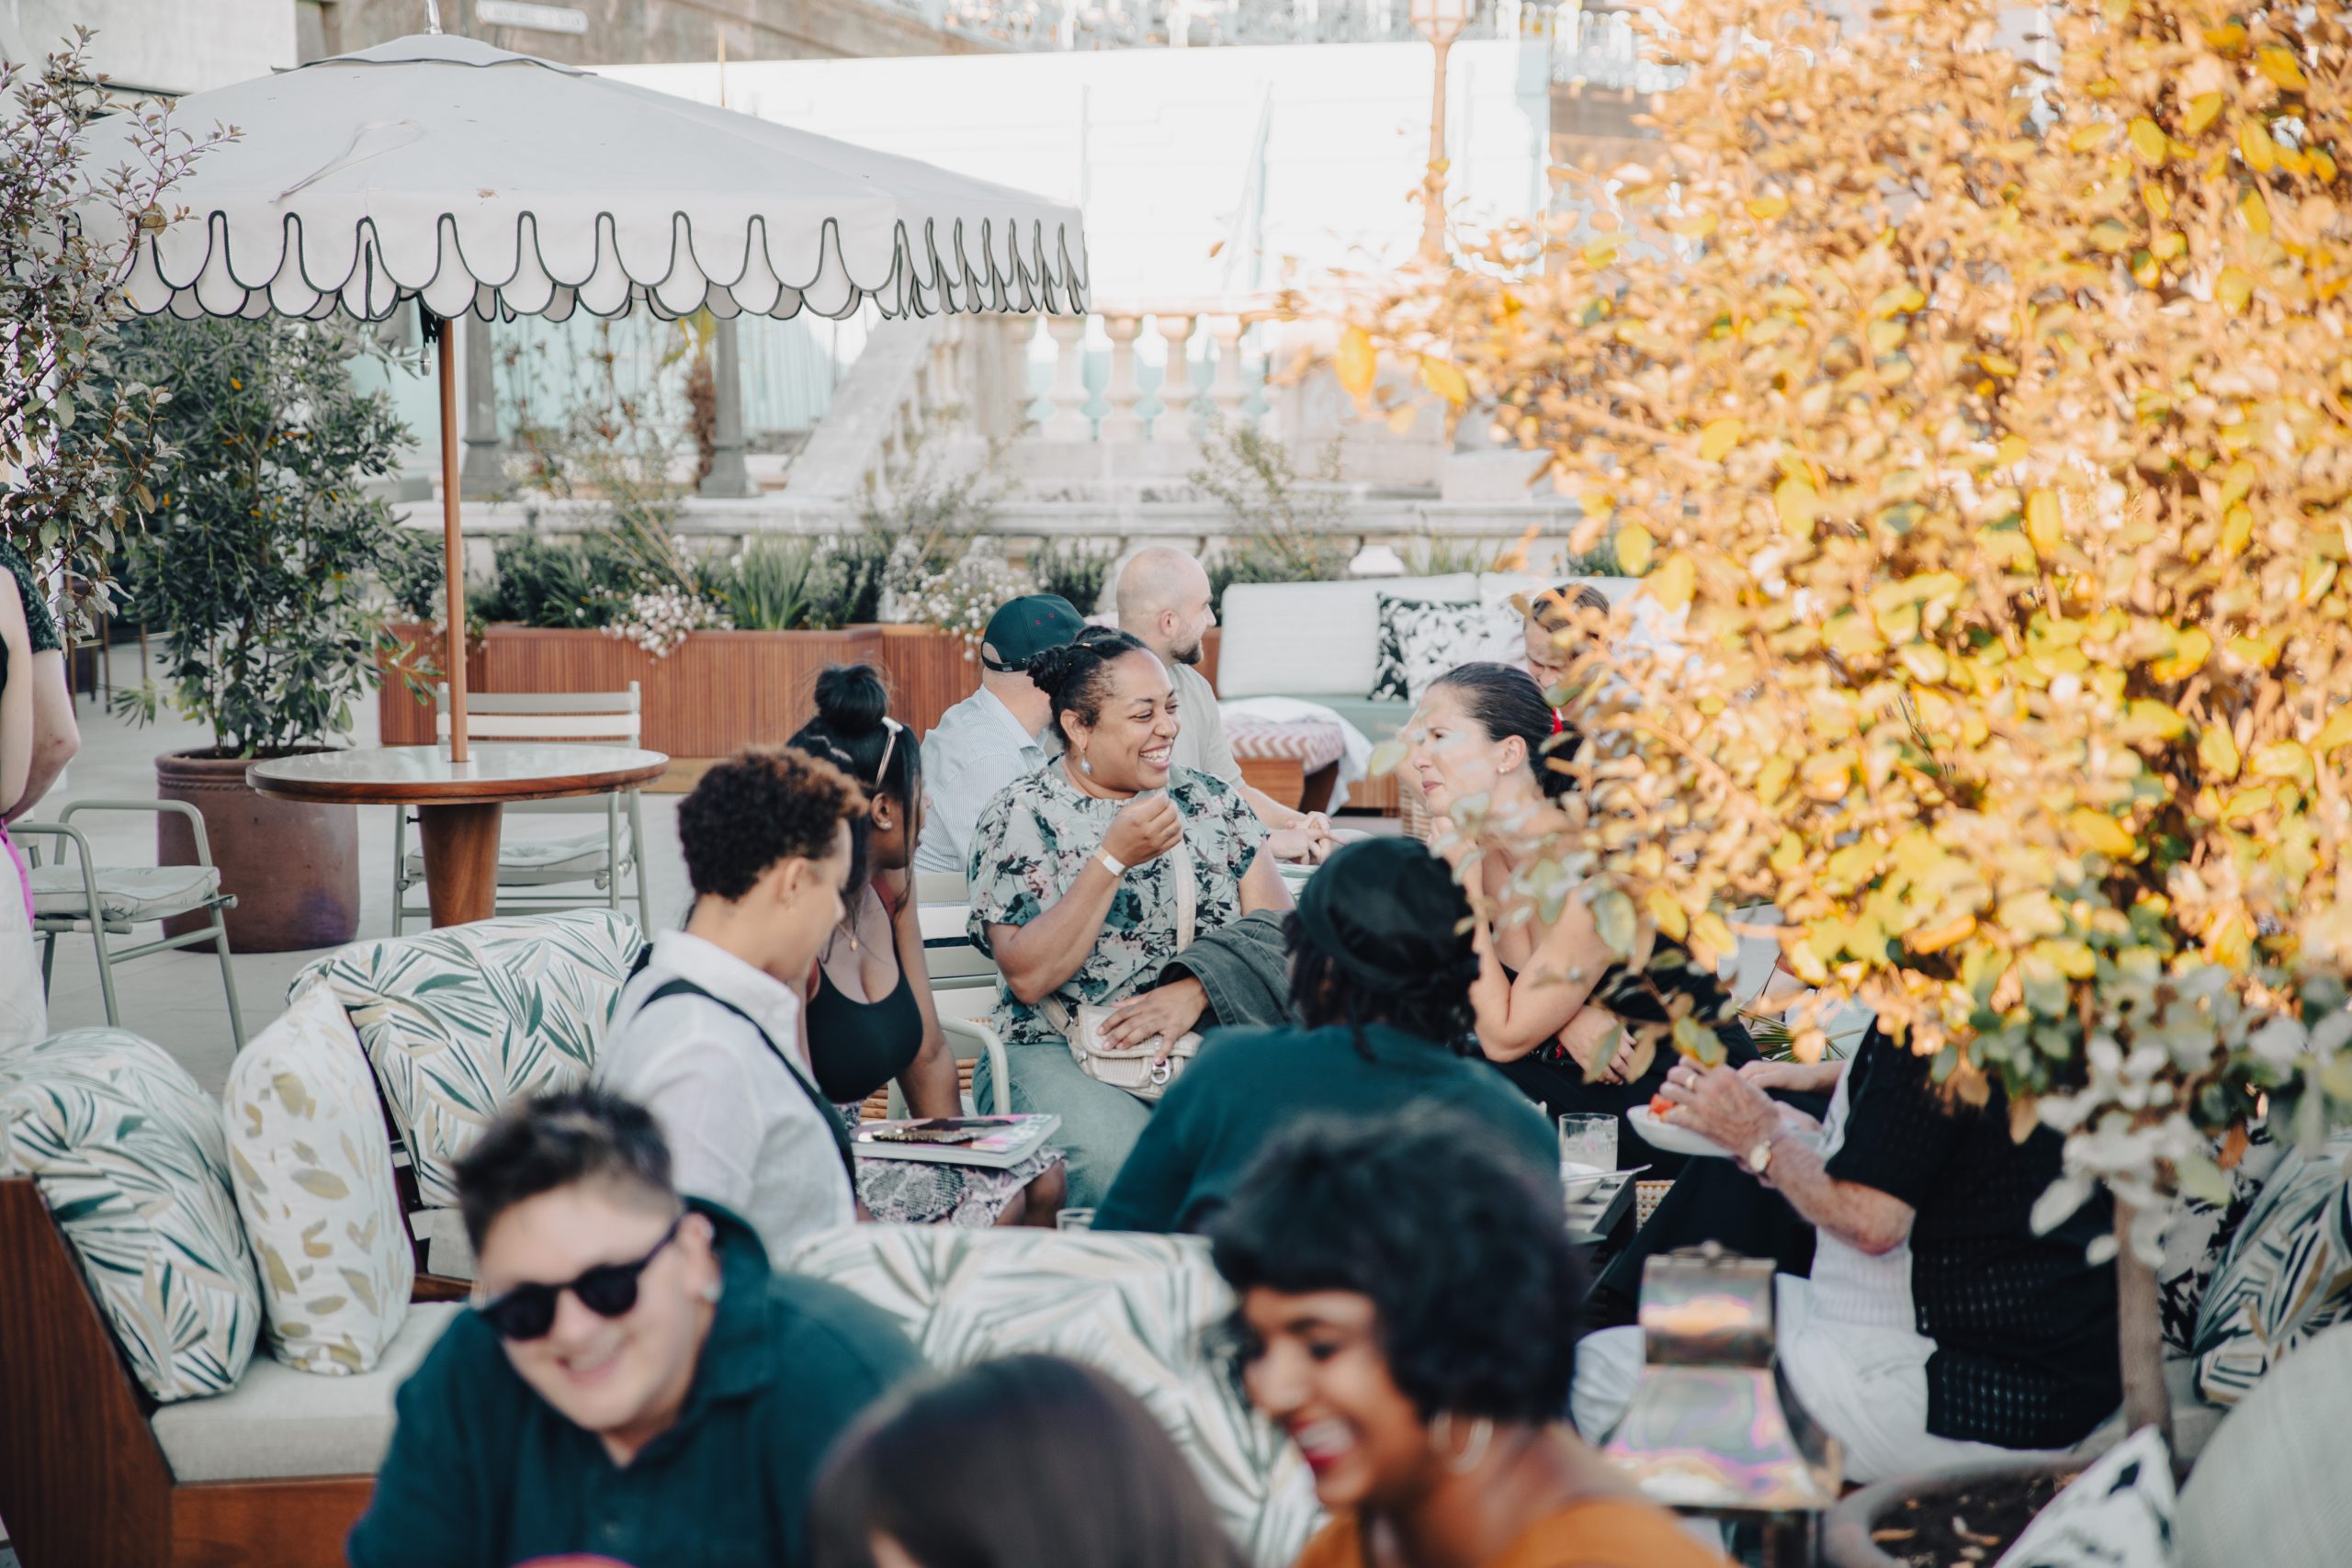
(461, 844)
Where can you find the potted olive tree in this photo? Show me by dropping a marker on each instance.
(1983, 423)
(262, 564)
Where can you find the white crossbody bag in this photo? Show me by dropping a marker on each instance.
(1133, 1067)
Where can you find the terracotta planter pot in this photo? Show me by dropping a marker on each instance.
(1847, 1529)
(294, 867)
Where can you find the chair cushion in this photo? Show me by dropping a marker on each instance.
(126, 894)
(2268, 1489)
(1138, 1307)
(1379, 720)
(2287, 1276)
(459, 1020)
(130, 1156)
(1313, 639)
(278, 1424)
(558, 857)
(313, 1171)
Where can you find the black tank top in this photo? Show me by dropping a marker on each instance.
(856, 1047)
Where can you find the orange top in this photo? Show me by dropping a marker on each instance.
(1600, 1532)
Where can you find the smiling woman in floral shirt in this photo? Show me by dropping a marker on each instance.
(1074, 890)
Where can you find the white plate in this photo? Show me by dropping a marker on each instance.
(1672, 1139)
(1578, 1183)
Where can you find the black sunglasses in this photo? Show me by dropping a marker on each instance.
(609, 1289)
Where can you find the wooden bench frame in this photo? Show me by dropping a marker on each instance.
(82, 1482)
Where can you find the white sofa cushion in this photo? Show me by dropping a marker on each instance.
(1314, 638)
(278, 1423)
(312, 1169)
(130, 1157)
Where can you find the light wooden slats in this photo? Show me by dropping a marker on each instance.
(480, 725)
(554, 702)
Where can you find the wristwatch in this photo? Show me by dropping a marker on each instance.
(1760, 1158)
(1112, 862)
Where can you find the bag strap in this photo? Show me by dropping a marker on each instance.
(681, 988)
(1180, 865)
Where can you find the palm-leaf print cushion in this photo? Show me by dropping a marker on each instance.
(2288, 1275)
(313, 1171)
(1142, 1308)
(1422, 640)
(130, 1157)
(460, 1020)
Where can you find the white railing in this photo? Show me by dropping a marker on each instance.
(1600, 47)
(1177, 23)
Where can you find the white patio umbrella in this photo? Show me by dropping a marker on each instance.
(439, 169)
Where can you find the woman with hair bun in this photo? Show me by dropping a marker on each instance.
(870, 1017)
(1381, 965)
(1551, 1000)
(1082, 875)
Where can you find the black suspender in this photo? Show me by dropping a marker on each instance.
(824, 1107)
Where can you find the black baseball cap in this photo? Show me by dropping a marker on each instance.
(1024, 627)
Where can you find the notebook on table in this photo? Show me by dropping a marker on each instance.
(996, 1142)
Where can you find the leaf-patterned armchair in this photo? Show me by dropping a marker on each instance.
(1139, 1307)
(459, 1020)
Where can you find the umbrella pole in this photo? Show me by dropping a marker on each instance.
(453, 542)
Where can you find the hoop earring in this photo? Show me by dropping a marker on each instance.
(1473, 1452)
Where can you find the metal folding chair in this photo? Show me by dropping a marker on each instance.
(110, 900)
(602, 858)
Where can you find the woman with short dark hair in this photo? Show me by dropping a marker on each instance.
(1029, 1462)
(706, 1036)
(1381, 967)
(1409, 1314)
(1084, 878)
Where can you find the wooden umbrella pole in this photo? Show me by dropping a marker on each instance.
(453, 541)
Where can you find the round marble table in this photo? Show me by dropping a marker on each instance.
(457, 803)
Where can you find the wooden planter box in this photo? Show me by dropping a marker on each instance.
(717, 694)
(929, 671)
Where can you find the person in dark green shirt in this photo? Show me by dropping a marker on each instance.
(1381, 967)
(632, 1381)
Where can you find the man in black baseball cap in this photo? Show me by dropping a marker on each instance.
(989, 738)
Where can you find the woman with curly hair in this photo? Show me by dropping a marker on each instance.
(1027, 1462)
(1435, 1433)
(1092, 872)
(1381, 966)
(707, 1037)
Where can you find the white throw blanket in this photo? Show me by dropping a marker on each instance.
(1355, 762)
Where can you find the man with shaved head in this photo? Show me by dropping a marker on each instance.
(1163, 596)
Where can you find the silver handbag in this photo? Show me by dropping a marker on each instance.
(1132, 1067)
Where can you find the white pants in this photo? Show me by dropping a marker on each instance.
(1866, 1385)
(23, 1012)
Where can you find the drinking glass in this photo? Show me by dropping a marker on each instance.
(1074, 1220)
(1588, 1140)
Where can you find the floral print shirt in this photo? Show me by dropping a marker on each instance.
(1035, 837)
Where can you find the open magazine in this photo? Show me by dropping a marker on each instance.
(996, 1142)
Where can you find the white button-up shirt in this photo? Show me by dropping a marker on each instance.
(975, 749)
(740, 1132)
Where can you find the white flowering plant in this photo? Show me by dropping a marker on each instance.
(961, 599)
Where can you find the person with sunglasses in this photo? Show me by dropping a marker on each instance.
(632, 1381)
(708, 1034)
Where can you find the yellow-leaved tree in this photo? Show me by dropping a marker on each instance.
(1984, 409)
